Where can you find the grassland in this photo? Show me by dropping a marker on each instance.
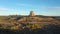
(10, 25)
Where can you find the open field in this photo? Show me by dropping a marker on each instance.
(11, 24)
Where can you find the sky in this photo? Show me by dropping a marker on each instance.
(23, 7)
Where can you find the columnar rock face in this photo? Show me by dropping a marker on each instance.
(31, 13)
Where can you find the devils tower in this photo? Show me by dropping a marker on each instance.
(31, 13)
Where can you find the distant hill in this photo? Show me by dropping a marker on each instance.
(20, 16)
(56, 17)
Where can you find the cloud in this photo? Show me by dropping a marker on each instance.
(53, 8)
(29, 5)
(3, 9)
(8, 9)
